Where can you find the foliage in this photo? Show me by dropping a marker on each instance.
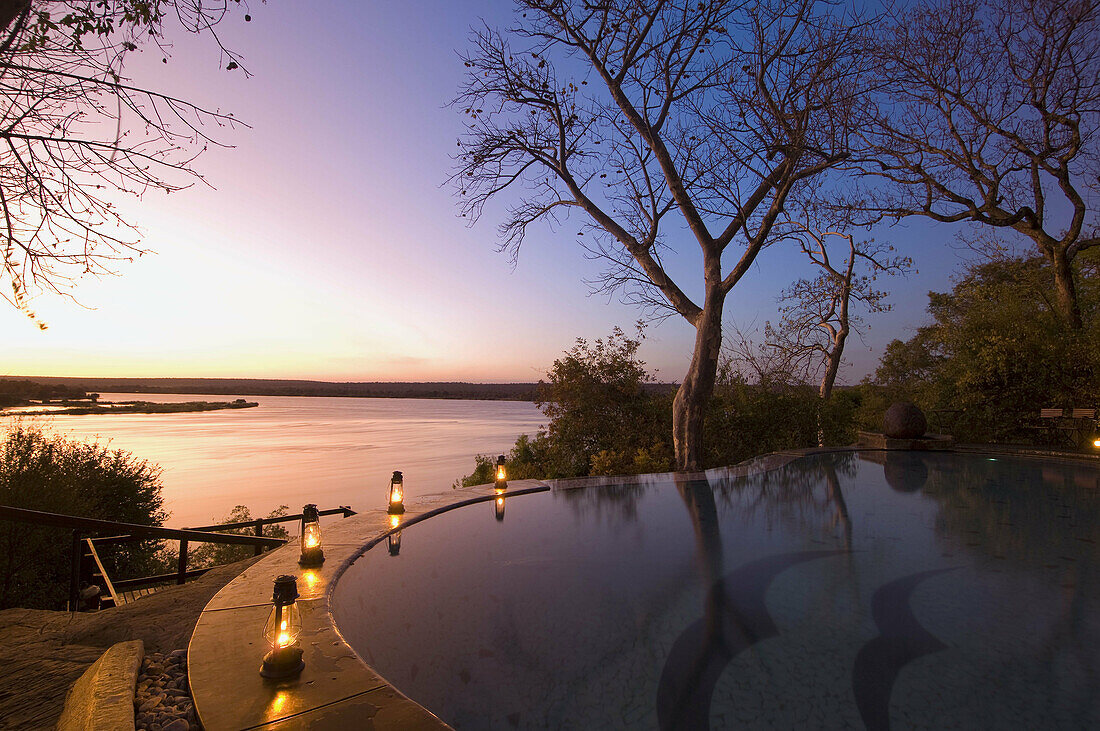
(749, 419)
(17, 392)
(604, 421)
(988, 116)
(595, 400)
(74, 131)
(817, 315)
(642, 117)
(215, 554)
(45, 472)
(998, 351)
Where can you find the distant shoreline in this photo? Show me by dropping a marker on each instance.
(284, 387)
(281, 387)
(130, 407)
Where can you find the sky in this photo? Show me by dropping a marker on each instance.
(326, 245)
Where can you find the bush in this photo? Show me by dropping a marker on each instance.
(45, 472)
(746, 420)
(215, 554)
(604, 420)
(997, 351)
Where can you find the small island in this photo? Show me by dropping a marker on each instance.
(27, 398)
(129, 407)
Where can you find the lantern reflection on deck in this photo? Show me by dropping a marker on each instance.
(393, 540)
(502, 474)
(312, 553)
(498, 506)
(284, 624)
(397, 494)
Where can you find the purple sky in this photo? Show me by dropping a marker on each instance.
(329, 247)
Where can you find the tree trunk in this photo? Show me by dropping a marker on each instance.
(1064, 290)
(690, 405)
(835, 356)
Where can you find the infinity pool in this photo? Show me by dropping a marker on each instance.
(863, 590)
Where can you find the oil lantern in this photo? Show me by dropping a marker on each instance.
(312, 554)
(397, 494)
(284, 624)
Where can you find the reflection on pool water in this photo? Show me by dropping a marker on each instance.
(855, 590)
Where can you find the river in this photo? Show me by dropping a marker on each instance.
(293, 450)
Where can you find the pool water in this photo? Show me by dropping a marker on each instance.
(862, 590)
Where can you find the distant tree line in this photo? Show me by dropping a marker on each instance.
(274, 387)
(16, 392)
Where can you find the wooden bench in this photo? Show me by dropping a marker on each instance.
(1050, 425)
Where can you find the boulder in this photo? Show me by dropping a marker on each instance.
(904, 420)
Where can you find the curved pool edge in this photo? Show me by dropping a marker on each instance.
(338, 689)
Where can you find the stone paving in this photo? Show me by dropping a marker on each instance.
(55, 648)
(336, 688)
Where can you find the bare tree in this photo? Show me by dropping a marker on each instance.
(648, 116)
(990, 115)
(819, 315)
(73, 132)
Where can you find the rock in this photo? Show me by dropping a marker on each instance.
(904, 420)
(151, 703)
(179, 724)
(178, 653)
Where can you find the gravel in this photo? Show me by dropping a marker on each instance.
(163, 700)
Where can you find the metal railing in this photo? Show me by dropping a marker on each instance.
(85, 546)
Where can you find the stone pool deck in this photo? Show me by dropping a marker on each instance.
(43, 652)
(336, 690)
(227, 612)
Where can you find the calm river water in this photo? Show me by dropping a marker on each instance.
(295, 450)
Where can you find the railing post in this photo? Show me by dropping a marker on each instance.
(74, 572)
(259, 530)
(182, 575)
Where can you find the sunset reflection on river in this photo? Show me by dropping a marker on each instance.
(295, 450)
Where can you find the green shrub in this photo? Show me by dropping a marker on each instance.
(44, 472)
(604, 420)
(997, 351)
(202, 555)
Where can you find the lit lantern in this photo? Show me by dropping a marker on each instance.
(498, 506)
(312, 554)
(1096, 442)
(393, 540)
(502, 474)
(284, 624)
(397, 494)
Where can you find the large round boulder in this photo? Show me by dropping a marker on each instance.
(904, 420)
